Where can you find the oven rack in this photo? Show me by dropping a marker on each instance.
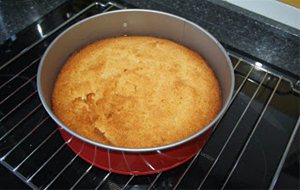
(32, 149)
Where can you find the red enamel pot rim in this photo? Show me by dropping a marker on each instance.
(161, 24)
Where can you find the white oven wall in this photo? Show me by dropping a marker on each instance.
(273, 9)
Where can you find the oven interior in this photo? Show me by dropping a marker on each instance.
(254, 143)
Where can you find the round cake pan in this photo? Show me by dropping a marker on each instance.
(136, 22)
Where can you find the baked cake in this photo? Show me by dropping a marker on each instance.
(136, 92)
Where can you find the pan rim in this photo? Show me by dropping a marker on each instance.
(137, 150)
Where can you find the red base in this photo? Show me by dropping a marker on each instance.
(135, 163)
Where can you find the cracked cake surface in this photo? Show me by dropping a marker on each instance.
(136, 92)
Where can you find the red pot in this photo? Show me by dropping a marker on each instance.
(136, 161)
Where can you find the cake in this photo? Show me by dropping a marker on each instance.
(136, 92)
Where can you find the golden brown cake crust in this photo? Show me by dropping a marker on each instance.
(136, 92)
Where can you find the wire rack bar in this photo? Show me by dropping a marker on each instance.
(154, 181)
(271, 72)
(87, 170)
(24, 138)
(19, 73)
(64, 168)
(50, 158)
(19, 88)
(113, 4)
(232, 132)
(32, 152)
(246, 78)
(82, 176)
(19, 122)
(186, 170)
(19, 175)
(17, 106)
(237, 64)
(251, 134)
(127, 183)
(284, 155)
(103, 180)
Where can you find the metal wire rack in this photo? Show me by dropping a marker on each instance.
(32, 148)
